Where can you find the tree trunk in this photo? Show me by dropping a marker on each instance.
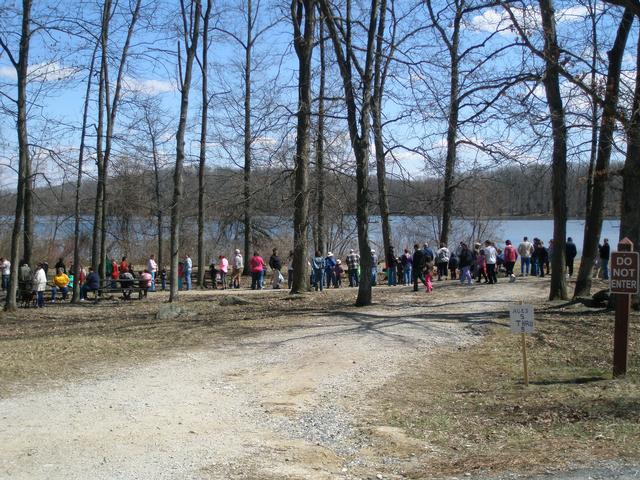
(27, 250)
(176, 207)
(629, 211)
(156, 193)
(21, 67)
(593, 224)
(558, 289)
(203, 143)
(320, 237)
(376, 111)
(76, 229)
(303, 43)
(246, 193)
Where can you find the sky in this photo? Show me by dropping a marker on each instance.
(58, 70)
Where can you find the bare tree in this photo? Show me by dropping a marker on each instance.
(21, 65)
(302, 14)
(340, 32)
(204, 65)
(595, 207)
(191, 32)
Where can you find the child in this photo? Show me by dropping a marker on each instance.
(453, 265)
(163, 277)
(428, 276)
(338, 271)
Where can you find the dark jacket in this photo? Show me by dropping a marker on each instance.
(570, 250)
(418, 260)
(466, 258)
(604, 251)
(275, 262)
(93, 281)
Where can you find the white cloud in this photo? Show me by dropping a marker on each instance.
(41, 72)
(8, 72)
(148, 86)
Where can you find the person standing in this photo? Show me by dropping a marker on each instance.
(442, 261)
(60, 264)
(256, 265)
(570, 252)
(418, 262)
(510, 256)
(40, 284)
(223, 265)
(453, 265)
(188, 268)
(317, 267)
(329, 270)
(525, 249)
(275, 262)
(290, 269)
(406, 260)
(353, 263)
(392, 267)
(152, 268)
(541, 256)
(374, 268)
(465, 262)
(604, 252)
(491, 256)
(236, 270)
(5, 266)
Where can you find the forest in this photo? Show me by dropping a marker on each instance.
(236, 111)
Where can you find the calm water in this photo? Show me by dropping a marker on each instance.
(405, 230)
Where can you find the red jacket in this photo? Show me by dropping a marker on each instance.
(256, 263)
(510, 253)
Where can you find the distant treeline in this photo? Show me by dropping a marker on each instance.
(507, 191)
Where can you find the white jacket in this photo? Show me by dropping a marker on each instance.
(40, 280)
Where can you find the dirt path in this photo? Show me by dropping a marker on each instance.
(271, 405)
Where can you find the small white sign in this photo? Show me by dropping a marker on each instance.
(521, 318)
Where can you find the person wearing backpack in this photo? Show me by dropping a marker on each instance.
(442, 261)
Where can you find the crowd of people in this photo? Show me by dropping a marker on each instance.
(479, 263)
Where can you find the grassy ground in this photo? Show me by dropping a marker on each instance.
(473, 412)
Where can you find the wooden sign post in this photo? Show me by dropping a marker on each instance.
(522, 322)
(623, 283)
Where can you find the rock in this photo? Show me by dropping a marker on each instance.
(172, 311)
(234, 300)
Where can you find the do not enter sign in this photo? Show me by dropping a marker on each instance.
(624, 272)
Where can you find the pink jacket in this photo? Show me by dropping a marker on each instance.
(510, 253)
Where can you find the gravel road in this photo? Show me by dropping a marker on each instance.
(273, 405)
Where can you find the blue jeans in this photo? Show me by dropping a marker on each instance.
(392, 275)
(187, 279)
(5, 282)
(318, 277)
(153, 282)
(465, 275)
(256, 280)
(40, 296)
(407, 274)
(374, 275)
(353, 277)
(63, 291)
(525, 264)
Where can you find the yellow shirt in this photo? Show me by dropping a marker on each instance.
(61, 280)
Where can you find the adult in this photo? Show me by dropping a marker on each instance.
(115, 273)
(152, 268)
(525, 249)
(91, 284)
(453, 265)
(374, 268)
(223, 267)
(317, 269)
(541, 256)
(126, 284)
(60, 283)
(236, 269)
(275, 263)
(442, 261)
(256, 265)
(188, 268)
(392, 267)
(24, 280)
(491, 257)
(329, 270)
(407, 263)
(60, 264)
(465, 262)
(570, 253)
(144, 282)
(353, 264)
(124, 265)
(40, 284)
(418, 262)
(510, 255)
(5, 266)
(604, 251)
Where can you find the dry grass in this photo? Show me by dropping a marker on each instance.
(473, 413)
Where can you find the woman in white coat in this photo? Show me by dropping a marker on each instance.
(40, 284)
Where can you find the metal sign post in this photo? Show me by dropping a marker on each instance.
(522, 322)
(623, 283)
